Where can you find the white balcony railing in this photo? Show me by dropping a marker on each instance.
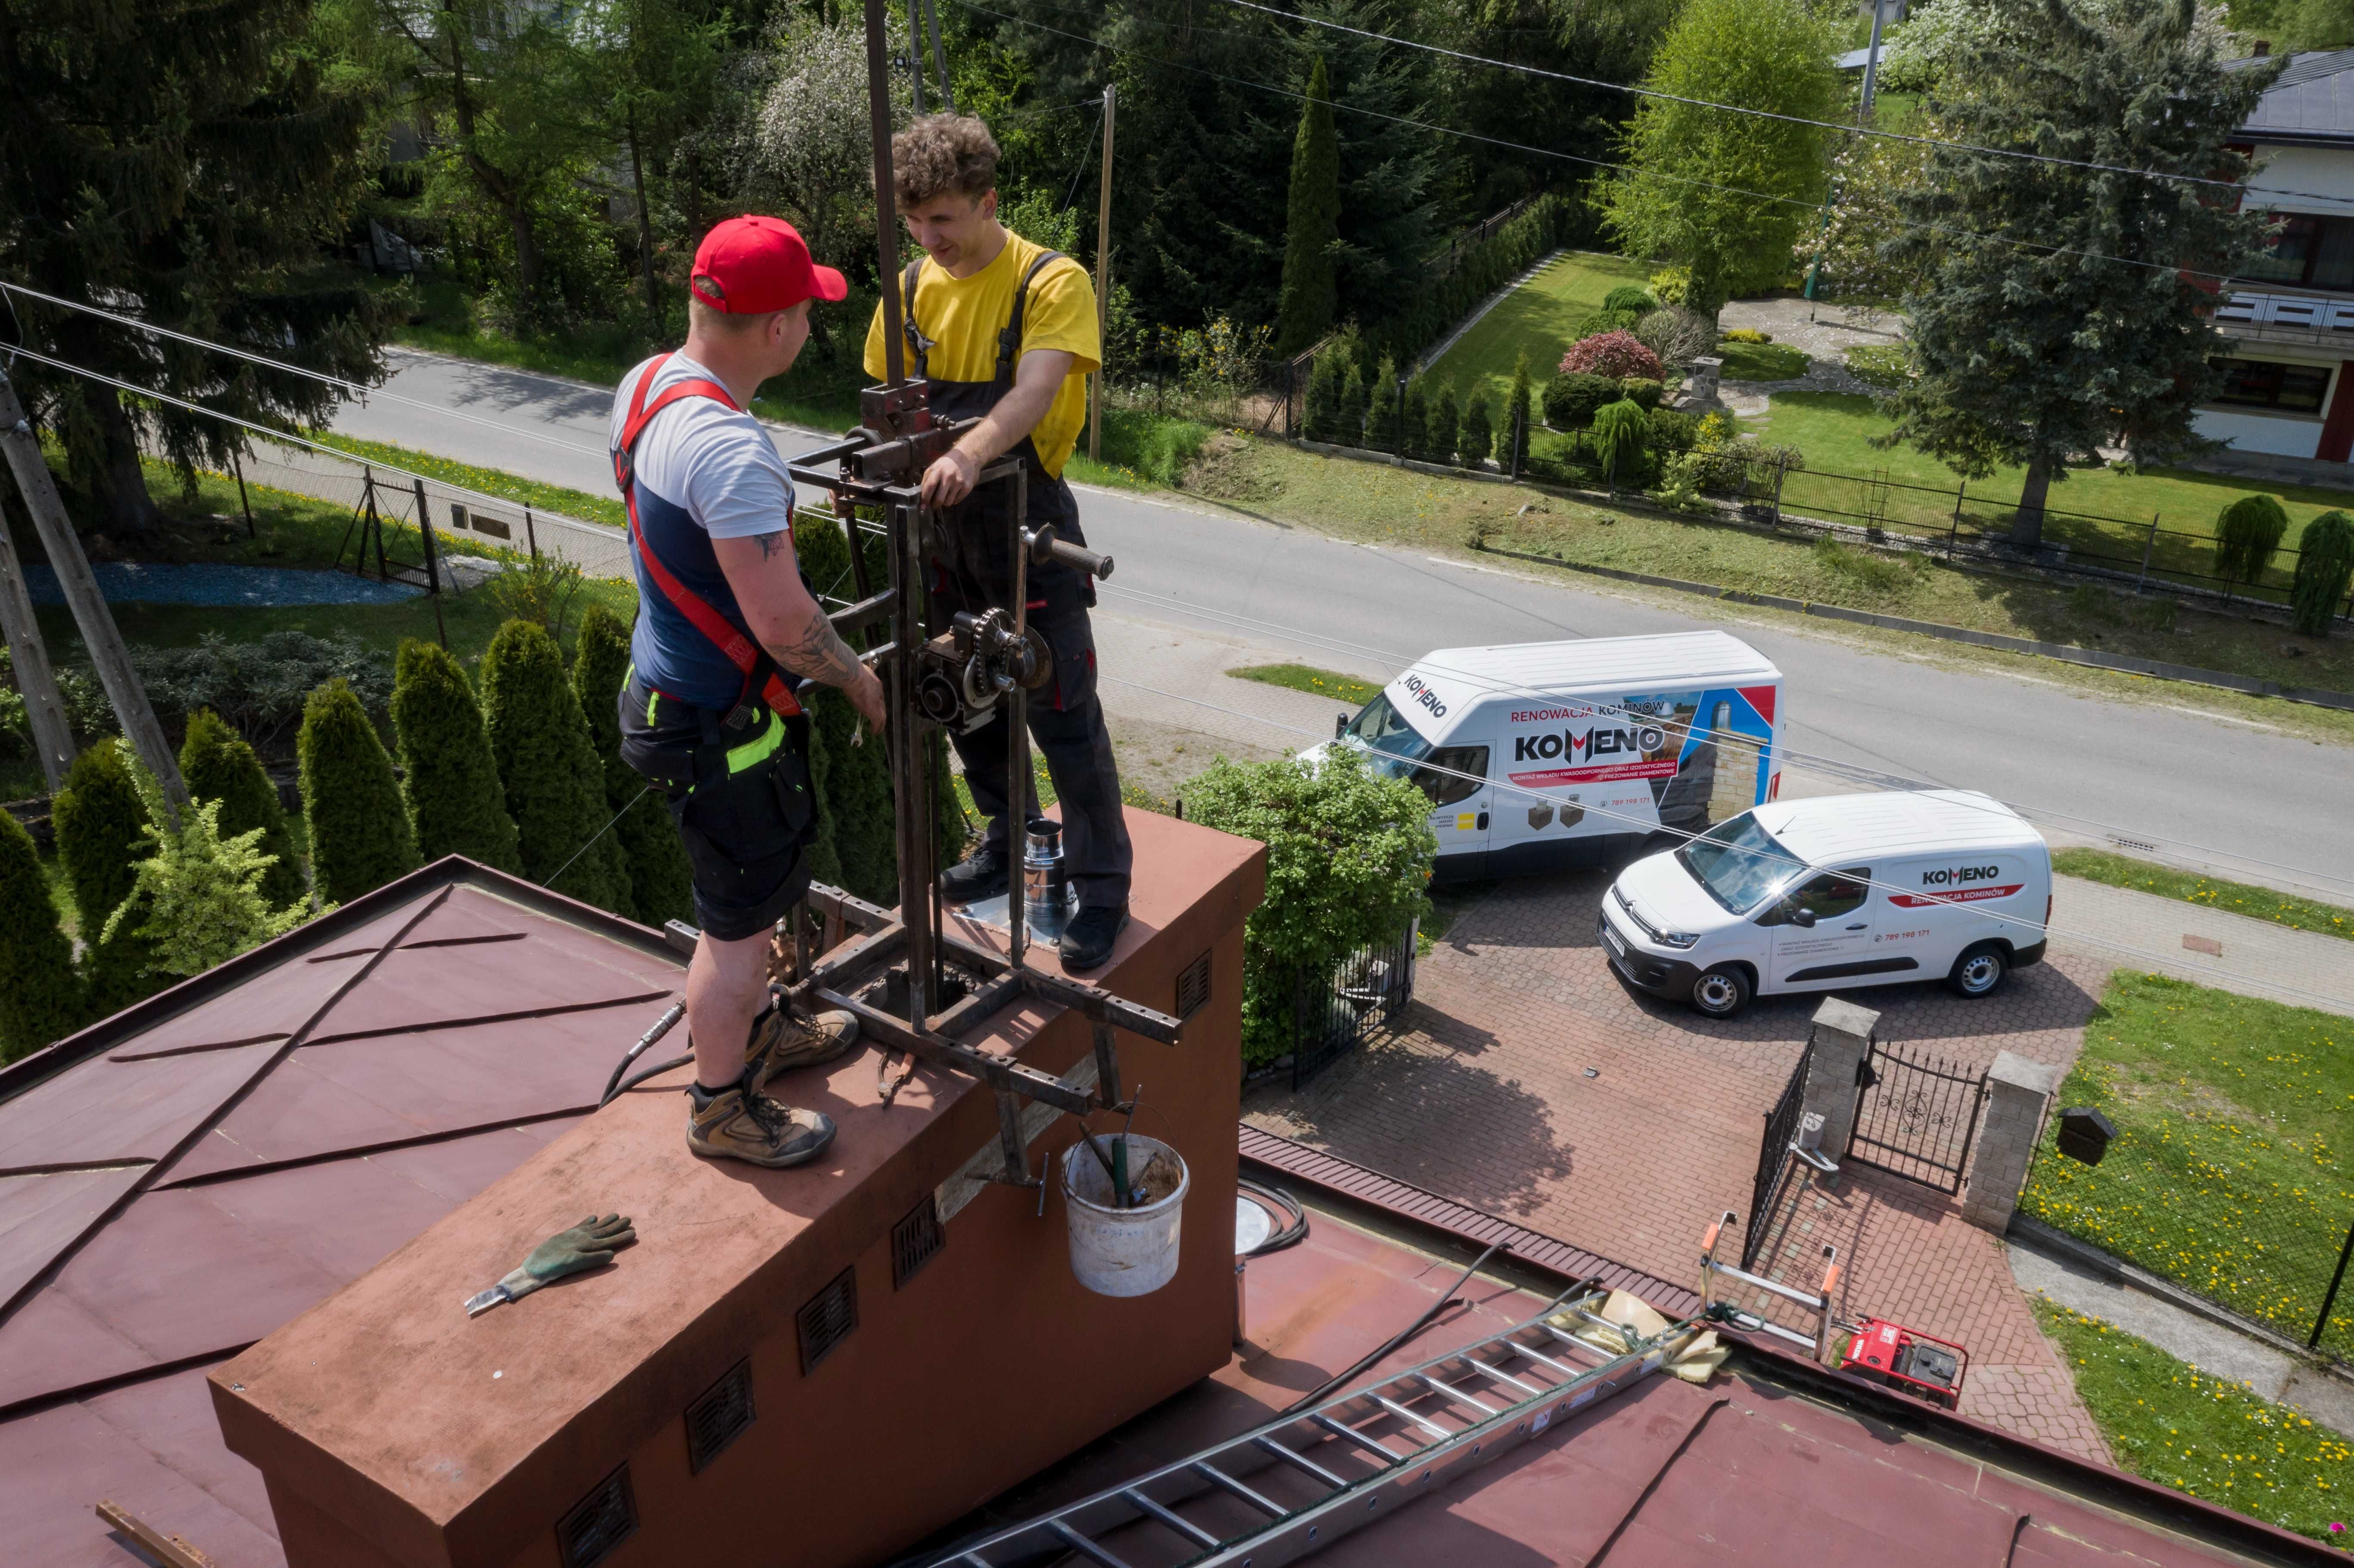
(2320, 315)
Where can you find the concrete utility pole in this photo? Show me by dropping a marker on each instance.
(1872, 60)
(1103, 277)
(131, 709)
(52, 736)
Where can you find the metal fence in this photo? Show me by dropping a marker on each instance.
(1773, 1158)
(1954, 522)
(1332, 1013)
(1915, 1116)
(2264, 1250)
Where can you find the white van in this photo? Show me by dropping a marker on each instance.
(1540, 756)
(1835, 891)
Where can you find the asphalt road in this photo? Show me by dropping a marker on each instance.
(2159, 769)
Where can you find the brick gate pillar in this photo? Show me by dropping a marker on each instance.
(2018, 1093)
(1842, 1034)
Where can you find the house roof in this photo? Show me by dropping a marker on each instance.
(2310, 103)
(1775, 1462)
(182, 1178)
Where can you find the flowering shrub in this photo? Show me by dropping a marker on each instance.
(1616, 355)
(1748, 335)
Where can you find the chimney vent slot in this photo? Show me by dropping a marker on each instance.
(599, 1522)
(718, 1416)
(915, 1242)
(1193, 987)
(827, 1319)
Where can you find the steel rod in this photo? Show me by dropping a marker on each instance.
(887, 220)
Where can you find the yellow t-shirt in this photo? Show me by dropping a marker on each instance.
(964, 315)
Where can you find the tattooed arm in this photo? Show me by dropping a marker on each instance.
(790, 624)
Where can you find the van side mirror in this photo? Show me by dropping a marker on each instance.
(1802, 918)
(1339, 726)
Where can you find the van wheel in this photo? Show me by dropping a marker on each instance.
(1979, 971)
(1721, 992)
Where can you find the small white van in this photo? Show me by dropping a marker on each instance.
(1835, 891)
(1540, 756)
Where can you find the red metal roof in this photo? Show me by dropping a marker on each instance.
(181, 1180)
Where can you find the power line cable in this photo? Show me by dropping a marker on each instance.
(1948, 232)
(351, 388)
(2155, 960)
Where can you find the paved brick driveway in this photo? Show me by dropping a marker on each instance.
(1527, 1081)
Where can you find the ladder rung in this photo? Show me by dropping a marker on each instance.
(1083, 1546)
(1299, 1460)
(1395, 1408)
(1546, 1361)
(1218, 1477)
(1342, 1430)
(1502, 1376)
(1181, 1525)
(1456, 1394)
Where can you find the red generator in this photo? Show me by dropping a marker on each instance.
(1908, 1362)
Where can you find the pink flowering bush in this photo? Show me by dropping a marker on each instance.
(1616, 355)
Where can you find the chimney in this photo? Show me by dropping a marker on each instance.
(2263, 48)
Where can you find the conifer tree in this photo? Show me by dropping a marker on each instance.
(456, 803)
(661, 879)
(40, 996)
(2325, 563)
(1382, 417)
(1446, 424)
(1478, 438)
(199, 899)
(1513, 438)
(1311, 223)
(1352, 432)
(554, 786)
(1416, 442)
(219, 766)
(100, 823)
(358, 827)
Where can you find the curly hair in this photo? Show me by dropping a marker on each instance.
(943, 152)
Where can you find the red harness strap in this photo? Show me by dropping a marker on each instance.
(741, 650)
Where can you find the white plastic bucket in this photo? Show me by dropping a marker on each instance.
(1122, 1252)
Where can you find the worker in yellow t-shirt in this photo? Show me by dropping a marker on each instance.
(1005, 332)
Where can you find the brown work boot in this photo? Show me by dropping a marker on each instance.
(737, 1123)
(781, 1041)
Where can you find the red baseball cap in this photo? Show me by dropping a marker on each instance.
(747, 266)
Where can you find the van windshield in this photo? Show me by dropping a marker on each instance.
(1740, 864)
(1383, 731)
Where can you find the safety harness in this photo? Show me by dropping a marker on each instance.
(761, 676)
(1009, 341)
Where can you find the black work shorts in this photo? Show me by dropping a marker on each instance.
(741, 800)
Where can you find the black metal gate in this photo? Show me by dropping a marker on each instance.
(1774, 1158)
(1915, 1116)
(1333, 1010)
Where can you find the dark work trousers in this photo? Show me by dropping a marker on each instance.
(1066, 720)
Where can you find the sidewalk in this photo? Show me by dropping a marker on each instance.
(2257, 957)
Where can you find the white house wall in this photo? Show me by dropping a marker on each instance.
(2303, 179)
(2276, 434)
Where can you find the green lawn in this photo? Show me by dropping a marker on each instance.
(2227, 1174)
(606, 508)
(1315, 682)
(2167, 1422)
(2239, 897)
(1834, 431)
(1762, 361)
(1538, 317)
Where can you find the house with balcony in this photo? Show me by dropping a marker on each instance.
(2288, 382)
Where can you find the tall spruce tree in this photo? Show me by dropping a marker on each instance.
(1726, 194)
(661, 879)
(555, 786)
(101, 827)
(194, 166)
(2079, 318)
(456, 803)
(1311, 223)
(1446, 424)
(219, 766)
(352, 810)
(40, 997)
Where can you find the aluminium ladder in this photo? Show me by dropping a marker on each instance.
(1291, 1486)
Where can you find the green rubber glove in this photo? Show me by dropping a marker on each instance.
(588, 1244)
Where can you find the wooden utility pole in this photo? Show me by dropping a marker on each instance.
(131, 709)
(1103, 280)
(52, 736)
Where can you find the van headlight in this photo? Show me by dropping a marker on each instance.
(1675, 938)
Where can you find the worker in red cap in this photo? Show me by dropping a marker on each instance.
(1004, 332)
(727, 629)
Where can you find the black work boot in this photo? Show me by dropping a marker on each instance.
(1087, 940)
(984, 875)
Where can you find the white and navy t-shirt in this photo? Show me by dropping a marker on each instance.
(703, 472)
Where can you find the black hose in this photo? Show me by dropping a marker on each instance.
(1293, 1231)
(635, 1080)
(1446, 1299)
(662, 1025)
